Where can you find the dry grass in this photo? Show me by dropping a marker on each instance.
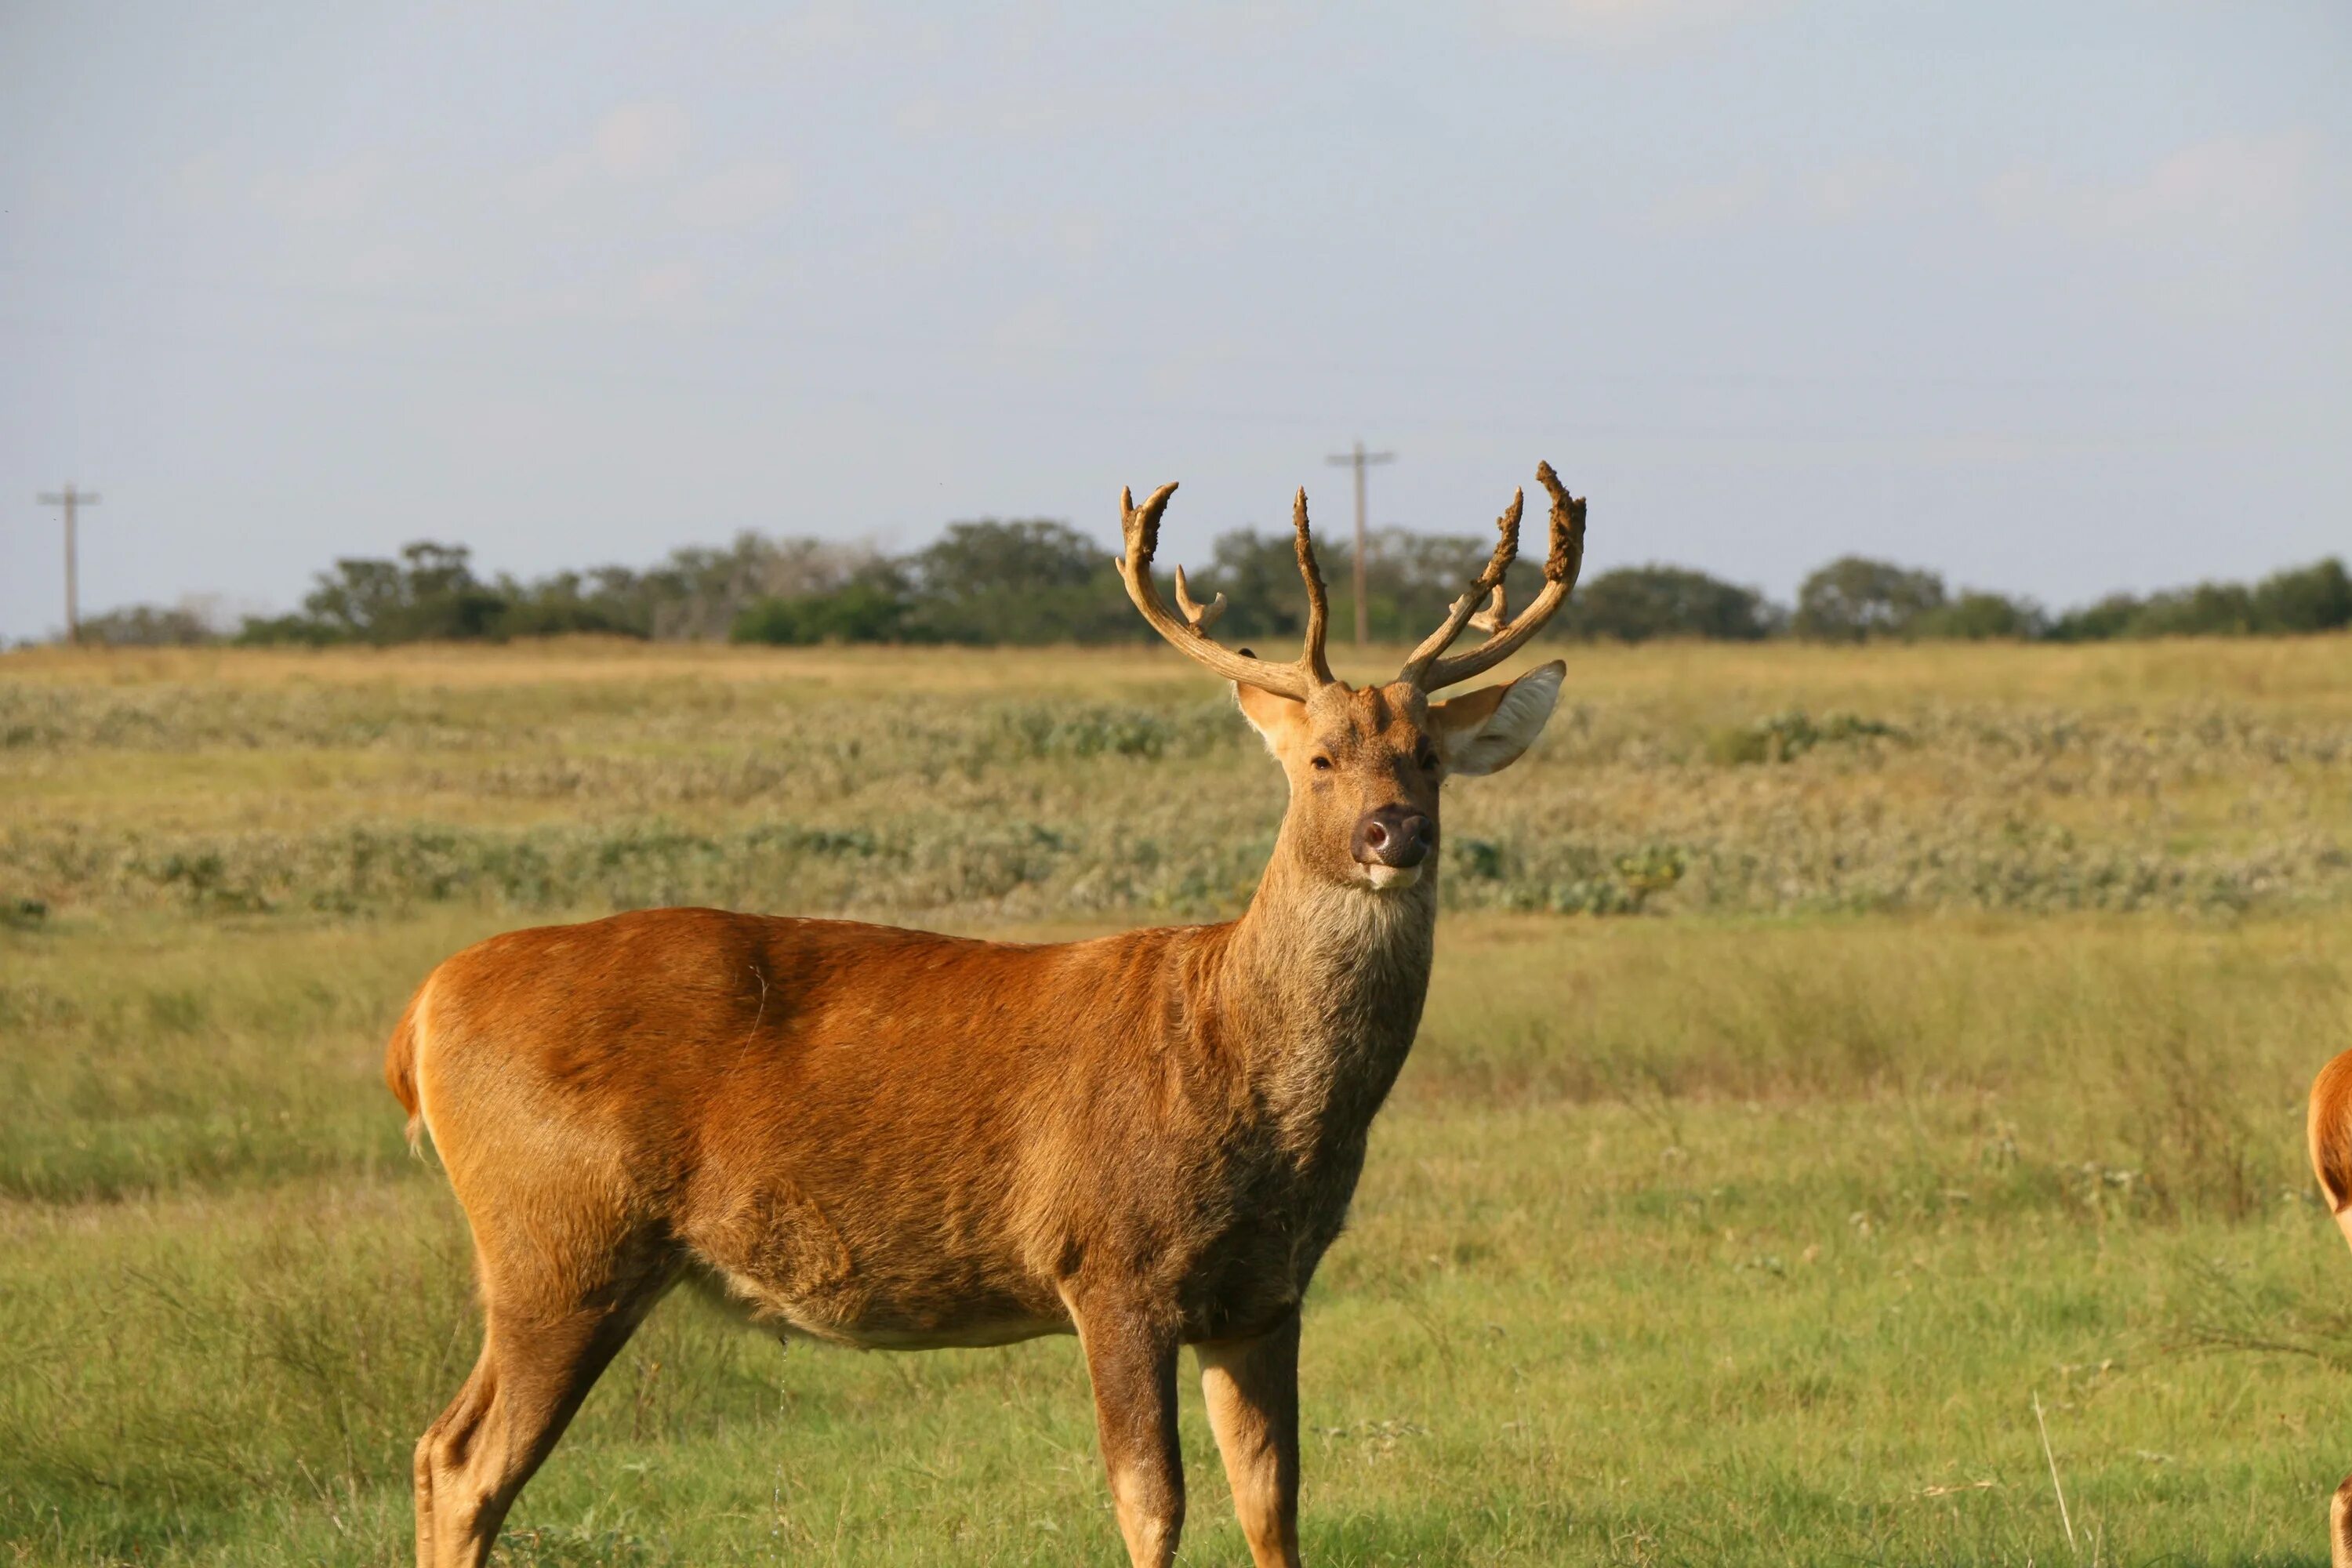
(1002, 785)
(2313, 675)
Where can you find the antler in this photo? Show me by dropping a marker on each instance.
(1197, 615)
(1431, 672)
(1489, 583)
(1187, 628)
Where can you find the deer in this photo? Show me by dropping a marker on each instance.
(2328, 1126)
(890, 1139)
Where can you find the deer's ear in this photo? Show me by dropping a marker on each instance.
(1485, 730)
(1279, 721)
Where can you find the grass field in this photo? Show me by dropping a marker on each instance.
(1832, 1055)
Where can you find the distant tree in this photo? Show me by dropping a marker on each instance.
(871, 609)
(573, 603)
(2209, 609)
(973, 560)
(1024, 581)
(262, 631)
(2112, 617)
(698, 593)
(430, 592)
(1637, 604)
(1409, 580)
(1413, 579)
(1039, 581)
(2314, 598)
(1980, 617)
(439, 598)
(1854, 598)
(149, 626)
(1259, 576)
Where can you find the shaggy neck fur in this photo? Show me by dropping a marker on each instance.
(1322, 991)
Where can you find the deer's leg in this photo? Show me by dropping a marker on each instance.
(1132, 1361)
(537, 1364)
(1252, 1392)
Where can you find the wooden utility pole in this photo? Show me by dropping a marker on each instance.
(1358, 460)
(70, 499)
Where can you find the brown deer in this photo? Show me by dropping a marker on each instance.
(2330, 1129)
(890, 1139)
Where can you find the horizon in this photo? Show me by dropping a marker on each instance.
(226, 619)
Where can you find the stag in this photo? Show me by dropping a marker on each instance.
(2330, 1130)
(895, 1140)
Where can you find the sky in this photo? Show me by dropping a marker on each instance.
(2051, 299)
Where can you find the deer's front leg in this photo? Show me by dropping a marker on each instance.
(1131, 1360)
(1253, 1394)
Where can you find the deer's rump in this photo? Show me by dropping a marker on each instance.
(874, 1135)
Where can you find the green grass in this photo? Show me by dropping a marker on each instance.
(1684, 1241)
(1744, 1231)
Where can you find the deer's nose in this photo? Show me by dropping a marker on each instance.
(1394, 835)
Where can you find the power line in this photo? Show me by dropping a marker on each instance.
(70, 499)
(1358, 460)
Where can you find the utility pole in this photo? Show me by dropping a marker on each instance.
(1358, 460)
(70, 498)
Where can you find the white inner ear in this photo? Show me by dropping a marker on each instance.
(1281, 716)
(1513, 727)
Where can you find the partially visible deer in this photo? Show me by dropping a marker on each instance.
(895, 1140)
(2330, 1130)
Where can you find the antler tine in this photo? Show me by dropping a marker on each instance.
(1197, 615)
(1140, 525)
(1496, 614)
(1488, 585)
(1312, 659)
(1561, 564)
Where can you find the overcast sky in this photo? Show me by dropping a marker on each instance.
(2052, 298)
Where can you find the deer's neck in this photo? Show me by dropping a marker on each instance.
(1322, 994)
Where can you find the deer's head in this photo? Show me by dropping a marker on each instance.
(1365, 763)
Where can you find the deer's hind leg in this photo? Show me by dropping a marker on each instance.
(540, 1358)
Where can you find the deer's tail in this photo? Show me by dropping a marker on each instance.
(400, 1065)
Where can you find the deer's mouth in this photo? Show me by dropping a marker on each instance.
(1390, 878)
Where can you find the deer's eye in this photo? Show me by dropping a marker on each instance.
(1320, 764)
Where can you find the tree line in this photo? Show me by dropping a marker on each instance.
(1037, 580)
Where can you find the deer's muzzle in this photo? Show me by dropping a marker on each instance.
(1395, 835)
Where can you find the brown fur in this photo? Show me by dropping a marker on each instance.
(892, 1139)
(400, 1066)
(2329, 1127)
